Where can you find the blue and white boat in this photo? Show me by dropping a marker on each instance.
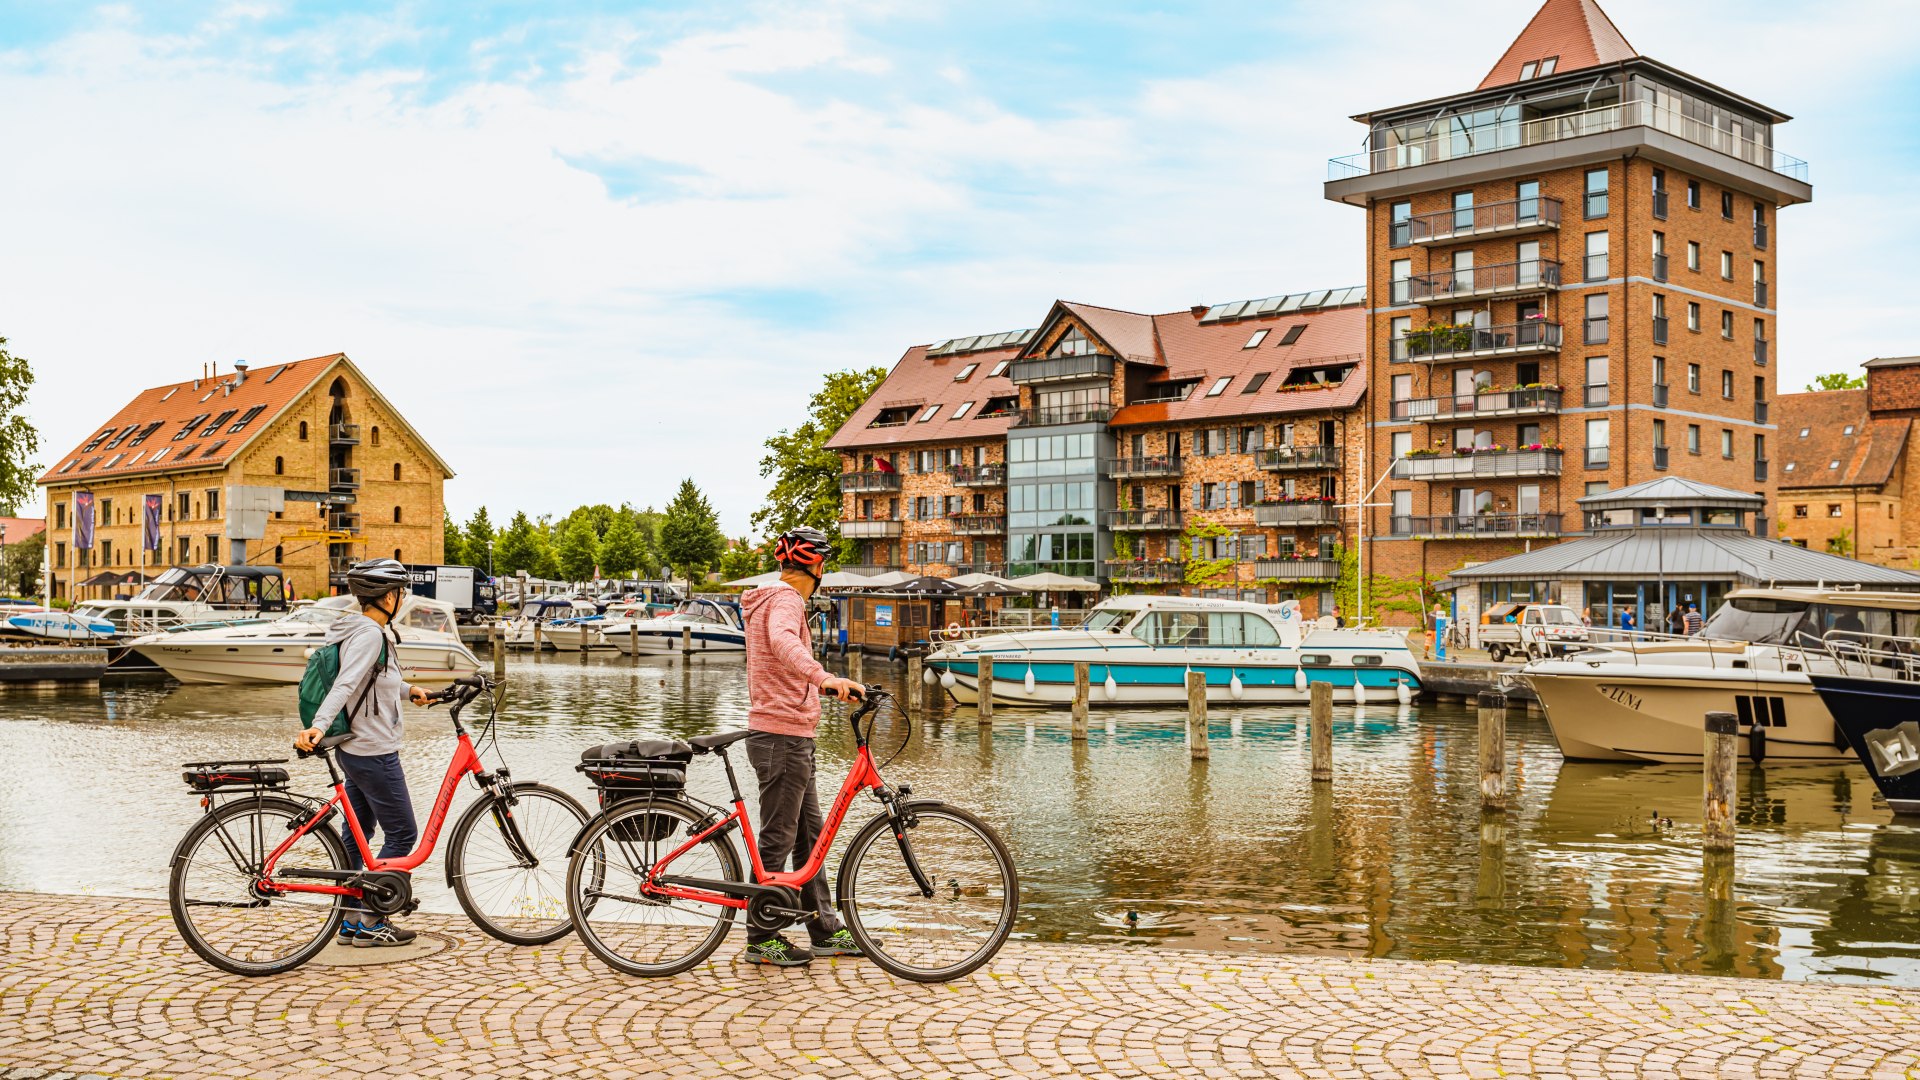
(53, 625)
(1139, 649)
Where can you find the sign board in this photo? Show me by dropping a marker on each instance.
(883, 614)
(337, 498)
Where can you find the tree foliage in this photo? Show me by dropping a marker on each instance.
(1837, 380)
(19, 441)
(690, 536)
(454, 550)
(805, 474)
(622, 551)
(742, 560)
(520, 547)
(479, 539)
(577, 547)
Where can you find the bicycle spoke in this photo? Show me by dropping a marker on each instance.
(969, 914)
(216, 900)
(620, 918)
(518, 892)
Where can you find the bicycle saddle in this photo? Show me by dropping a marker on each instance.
(719, 740)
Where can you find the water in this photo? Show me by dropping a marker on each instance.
(1123, 839)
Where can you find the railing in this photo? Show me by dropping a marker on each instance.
(1514, 215)
(1302, 569)
(343, 433)
(1594, 396)
(344, 522)
(1597, 457)
(1292, 514)
(871, 569)
(1522, 402)
(1059, 368)
(1454, 526)
(1147, 571)
(1445, 144)
(1660, 395)
(1151, 465)
(993, 475)
(869, 528)
(345, 478)
(1466, 342)
(1660, 204)
(1759, 294)
(1660, 267)
(1760, 470)
(1760, 234)
(1289, 458)
(1085, 414)
(978, 524)
(1759, 412)
(1526, 275)
(1154, 518)
(875, 480)
(1660, 458)
(1659, 329)
(1594, 330)
(1545, 462)
(1760, 351)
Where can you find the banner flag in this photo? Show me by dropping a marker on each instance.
(83, 520)
(150, 530)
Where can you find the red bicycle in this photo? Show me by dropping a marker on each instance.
(928, 890)
(260, 883)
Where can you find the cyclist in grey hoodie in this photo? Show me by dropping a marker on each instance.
(376, 786)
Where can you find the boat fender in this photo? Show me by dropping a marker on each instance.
(1113, 688)
(1235, 687)
(928, 676)
(1402, 691)
(1300, 679)
(1757, 743)
(890, 652)
(1029, 678)
(947, 680)
(1359, 690)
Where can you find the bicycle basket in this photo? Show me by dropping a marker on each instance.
(623, 772)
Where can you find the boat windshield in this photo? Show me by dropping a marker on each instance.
(1106, 619)
(1770, 621)
(313, 616)
(175, 584)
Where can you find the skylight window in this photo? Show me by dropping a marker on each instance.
(137, 455)
(214, 449)
(245, 419)
(1254, 384)
(277, 372)
(186, 451)
(1547, 65)
(1848, 430)
(1219, 386)
(114, 460)
(1258, 337)
(68, 467)
(966, 372)
(998, 369)
(1834, 464)
(1789, 466)
(144, 432)
(97, 440)
(1527, 69)
(91, 463)
(122, 437)
(1805, 431)
(1293, 333)
(186, 429)
(169, 393)
(158, 454)
(214, 427)
(961, 412)
(932, 411)
(208, 394)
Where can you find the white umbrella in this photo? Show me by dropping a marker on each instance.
(767, 578)
(1051, 582)
(968, 581)
(840, 579)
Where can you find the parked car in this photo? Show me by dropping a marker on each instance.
(1531, 631)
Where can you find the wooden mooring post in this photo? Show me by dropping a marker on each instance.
(497, 639)
(1493, 750)
(1080, 689)
(686, 641)
(1197, 715)
(986, 691)
(538, 644)
(1320, 729)
(857, 666)
(633, 642)
(916, 696)
(1721, 765)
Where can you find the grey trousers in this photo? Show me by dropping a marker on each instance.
(790, 822)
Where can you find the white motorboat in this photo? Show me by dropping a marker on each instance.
(704, 626)
(54, 625)
(1140, 648)
(1646, 698)
(261, 652)
(539, 615)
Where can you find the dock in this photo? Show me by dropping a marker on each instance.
(47, 666)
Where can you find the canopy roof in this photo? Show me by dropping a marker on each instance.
(1708, 554)
(1051, 582)
(1674, 493)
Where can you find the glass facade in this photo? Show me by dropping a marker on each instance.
(1055, 493)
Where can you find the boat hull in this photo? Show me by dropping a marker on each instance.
(1655, 715)
(273, 663)
(1150, 683)
(1882, 725)
(667, 643)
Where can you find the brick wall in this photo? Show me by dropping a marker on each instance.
(1894, 391)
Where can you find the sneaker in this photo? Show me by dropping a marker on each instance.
(382, 935)
(349, 930)
(779, 952)
(839, 943)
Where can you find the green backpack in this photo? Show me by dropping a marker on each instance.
(323, 667)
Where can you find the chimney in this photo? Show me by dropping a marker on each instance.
(1198, 310)
(239, 372)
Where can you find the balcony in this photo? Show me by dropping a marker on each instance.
(1535, 401)
(1147, 571)
(1492, 219)
(1476, 526)
(1759, 294)
(344, 478)
(1289, 515)
(1149, 519)
(1660, 267)
(1443, 343)
(1061, 369)
(1760, 351)
(1659, 395)
(1500, 279)
(1759, 412)
(1148, 467)
(978, 524)
(1482, 463)
(979, 476)
(1659, 329)
(875, 480)
(869, 528)
(1305, 569)
(1760, 471)
(1297, 458)
(1660, 459)
(1083, 414)
(343, 522)
(343, 434)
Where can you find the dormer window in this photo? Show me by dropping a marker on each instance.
(1072, 343)
(965, 372)
(1534, 69)
(999, 406)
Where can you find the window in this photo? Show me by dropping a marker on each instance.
(966, 372)
(279, 466)
(1219, 386)
(396, 470)
(1403, 388)
(1693, 438)
(144, 432)
(1693, 316)
(1547, 65)
(1596, 197)
(1805, 431)
(1596, 319)
(1834, 464)
(1726, 205)
(303, 431)
(930, 412)
(245, 419)
(1463, 211)
(212, 450)
(1400, 225)
(1693, 255)
(1254, 384)
(187, 428)
(1789, 466)
(1596, 381)
(1693, 194)
(1397, 330)
(1726, 266)
(1402, 444)
(1072, 343)
(1400, 274)
(1726, 325)
(396, 515)
(1693, 378)
(1800, 510)
(1254, 341)
(1848, 430)
(213, 427)
(1726, 444)
(213, 502)
(961, 410)
(373, 436)
(1759, 225)
(1293, 333)
(1726, 385)
(1528, 69)
(998, 369)
(1595, 268)
(1599, 433)
(1833, 509)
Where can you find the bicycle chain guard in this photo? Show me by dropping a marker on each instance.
(386, 892)
(767, 911)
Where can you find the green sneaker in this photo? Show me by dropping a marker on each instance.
(779, 952)
(839, 943)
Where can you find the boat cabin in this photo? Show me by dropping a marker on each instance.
(228, 588)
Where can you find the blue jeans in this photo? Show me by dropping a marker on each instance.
(377, 789)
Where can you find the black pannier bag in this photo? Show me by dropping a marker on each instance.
(621, 772)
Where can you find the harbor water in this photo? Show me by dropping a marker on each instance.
(1121, 839)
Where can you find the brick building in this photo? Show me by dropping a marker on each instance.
(355, 480)
(1573, 264)
(1846, 477)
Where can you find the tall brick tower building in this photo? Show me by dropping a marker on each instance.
(1573, 267)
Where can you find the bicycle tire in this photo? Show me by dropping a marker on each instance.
(591, 849)
(457, 876)
(880, 831)
(178, 902)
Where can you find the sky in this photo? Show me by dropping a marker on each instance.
(590, 249)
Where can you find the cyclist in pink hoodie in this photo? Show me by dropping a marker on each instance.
(783, 710)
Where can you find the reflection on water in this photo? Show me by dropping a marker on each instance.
(1123, 839)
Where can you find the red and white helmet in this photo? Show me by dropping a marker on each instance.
(805, 547)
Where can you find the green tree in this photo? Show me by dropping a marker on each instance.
(480, 539)
(19, 441)
(621, 551)
(576, 548)
(805, 473)
(1837, 380)
(647, 523)
(690, 536)
(742, 559)
(455, 549)
(520, 547)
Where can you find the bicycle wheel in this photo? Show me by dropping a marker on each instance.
(635, 933)
(976, 893)
(515, 887)
(211, 890)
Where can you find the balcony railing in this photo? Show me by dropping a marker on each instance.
(1760, 470)
(1512, 216)
(344, 522)
(344, 478)
(1759, 294)
(1659, 395)
(1444, 343)
(1660, 458)
(1759, 412)
(1598, 456)
(1659, 329)
(1660, 267)
(992, 475)
(1060, 368)
(1499, 279)
(978, 524)
(1471, 526)
(1660, 204)
(1483, 463)
(1148, 519)
(1481, 403)
(872, 569)
(1593, 397)
(874, 480)
(343, 434)
(1439, 142)
(1289, 515)
(869, 528)
(1760, 234)
(1151, 465)
(1284, 569)
(1760, 351)
(1295, 458)
(1085, 414)
(1147, 571)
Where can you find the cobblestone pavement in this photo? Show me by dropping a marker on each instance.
(92, 986)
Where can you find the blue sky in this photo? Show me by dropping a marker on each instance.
(592, 248)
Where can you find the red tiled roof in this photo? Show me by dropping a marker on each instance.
(1128, 333)
(18, 529)
(1575, 31)
(1867, 457)
(922, 381)
(1214, 350)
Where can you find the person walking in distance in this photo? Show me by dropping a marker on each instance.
(1694, 621)
(783, 711)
